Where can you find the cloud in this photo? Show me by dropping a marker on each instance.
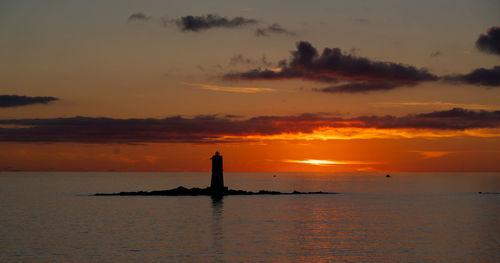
(436, 54)
(199, 23)
(239, 59)
(490, 42)
(431, 154)
(214, 129)
(333, 65)
(232, 116)
(362, 20)
(455, 119)
(230, 89)
(273, 29)
(439, 104)
(138, 17)
(359, 87)
(269, 74)
(205, 22)
(481, 77)
(16, 100)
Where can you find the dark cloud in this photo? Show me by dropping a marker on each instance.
(211, 128)
(266, 74)
(362, 20)
(15, 100)
(455, 119)
(360, 87)
(331, 65)
(138, 17)
(199, 23)
(481, 77)
(273, 29)
(239, 59)
(233, 116)
(436, 54)
(490, 42)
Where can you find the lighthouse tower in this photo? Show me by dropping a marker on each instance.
(217, 183)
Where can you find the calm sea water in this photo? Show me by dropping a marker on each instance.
(411, 217)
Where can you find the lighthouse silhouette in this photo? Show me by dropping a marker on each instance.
(217, 184)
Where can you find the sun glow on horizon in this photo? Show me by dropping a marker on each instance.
(324, 162)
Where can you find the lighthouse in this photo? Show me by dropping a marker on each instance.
(217, 183)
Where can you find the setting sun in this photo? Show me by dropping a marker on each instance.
(317, 162)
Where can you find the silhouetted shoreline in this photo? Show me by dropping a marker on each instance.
(183, 191)
(216, 188)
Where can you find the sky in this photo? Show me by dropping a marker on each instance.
(275, 86)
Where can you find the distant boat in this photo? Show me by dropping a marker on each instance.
(387, 175)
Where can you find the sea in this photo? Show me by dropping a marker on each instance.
(409, 217)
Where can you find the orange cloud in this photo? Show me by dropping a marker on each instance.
(326, 133)
(431, 154)
(229, 88)
(437, 104)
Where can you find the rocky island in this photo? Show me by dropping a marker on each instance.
(216, 188)
(183, 191)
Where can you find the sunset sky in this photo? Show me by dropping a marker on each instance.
(275, 86)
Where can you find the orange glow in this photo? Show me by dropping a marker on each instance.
(314, 162)
(229, 88)
(377, 155)
(324, 149)
(323, 162)
(368, 133)
(431, 154)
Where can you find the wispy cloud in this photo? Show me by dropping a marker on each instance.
(196, 23)
(239, 59)
(273, 29)
(437, 104)
(205, 22)
(16, 100)
(138, 17)
(360, 87)
(362, 20)
(431, 154)
(436, 54)
(229, 88)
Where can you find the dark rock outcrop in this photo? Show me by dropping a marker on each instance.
(183, 191)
